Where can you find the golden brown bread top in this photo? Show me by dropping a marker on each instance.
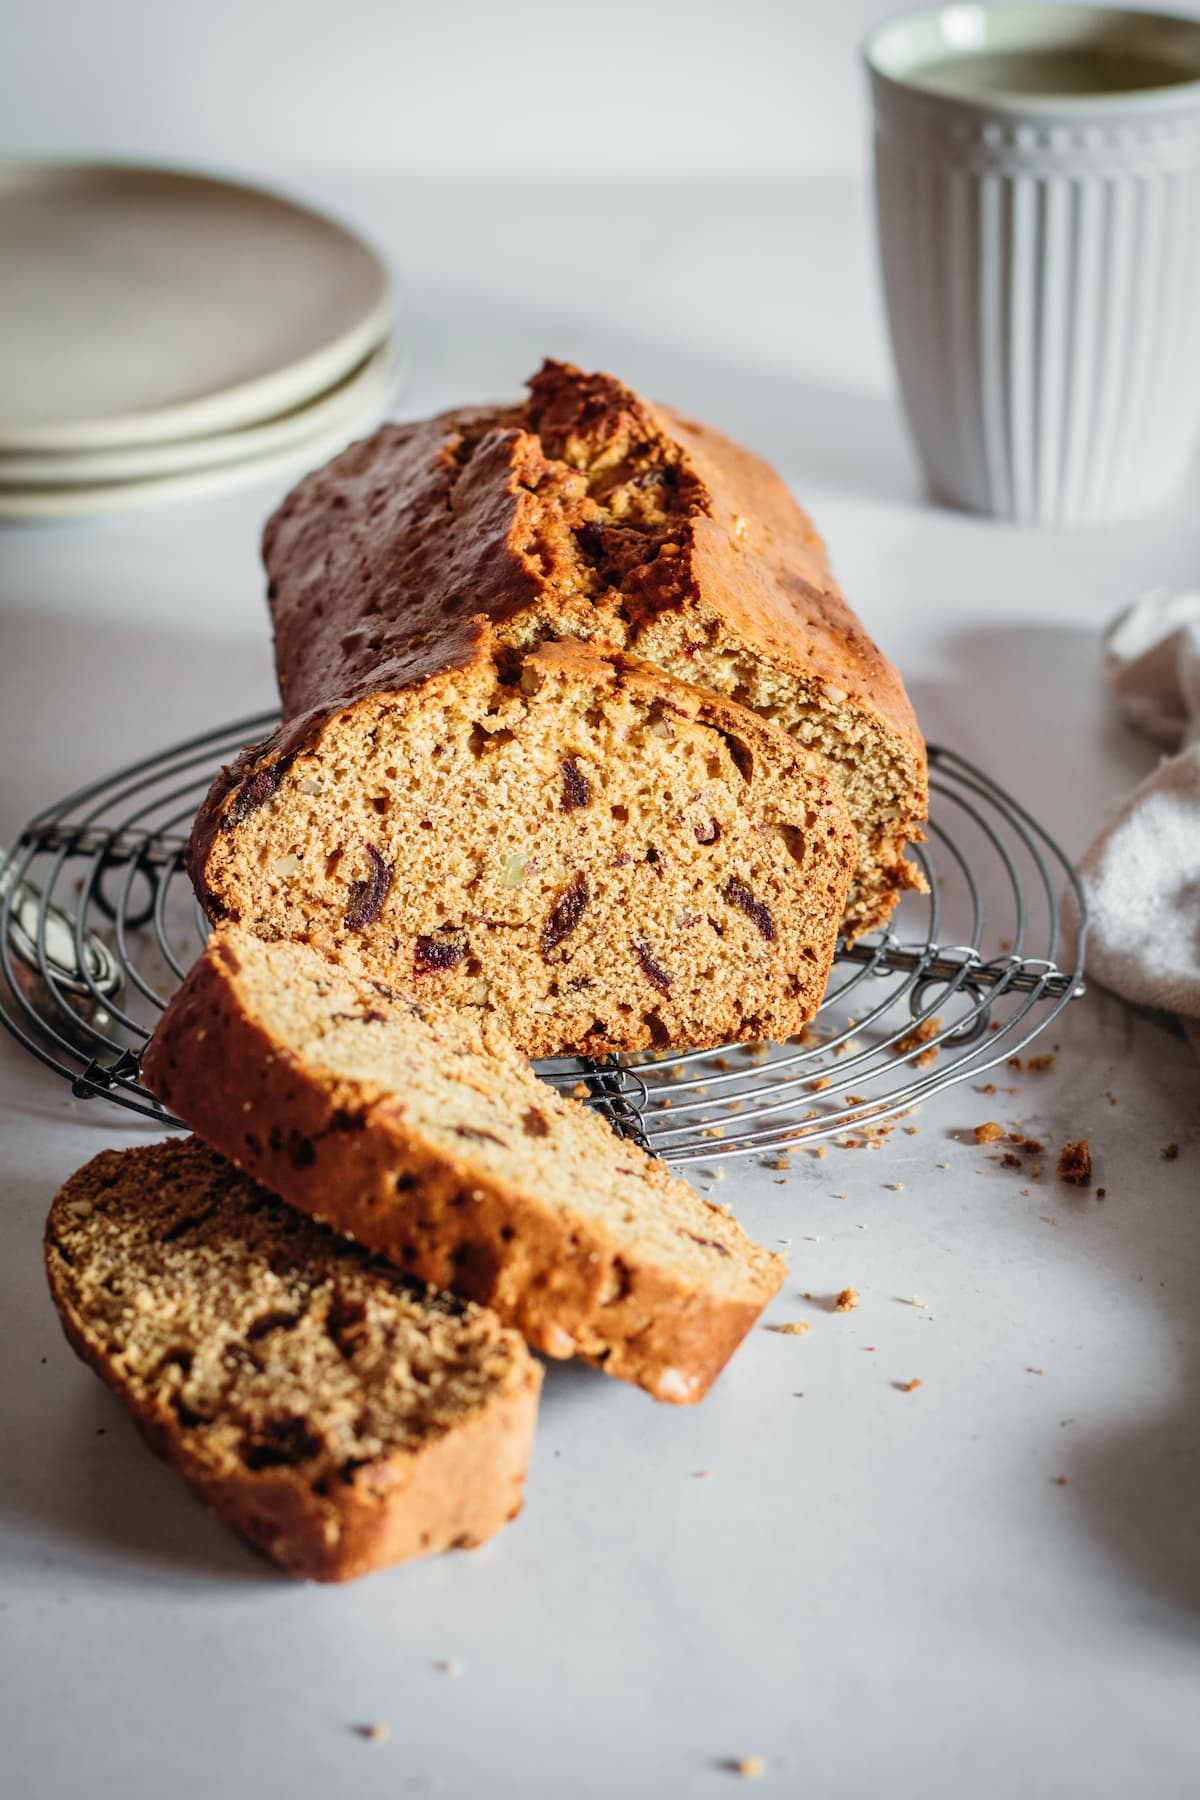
(584, 511)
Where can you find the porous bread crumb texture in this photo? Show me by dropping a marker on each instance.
(910, 1045)
(434, 1144)
(338, 1414)
(594, 856)
(1075, 1163)
(587, 512)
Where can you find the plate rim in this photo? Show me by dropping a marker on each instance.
(243, 403)
(46, 471)
(77, 504)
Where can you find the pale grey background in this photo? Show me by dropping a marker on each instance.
(633, 87)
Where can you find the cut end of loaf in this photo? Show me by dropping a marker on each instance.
(594, 856)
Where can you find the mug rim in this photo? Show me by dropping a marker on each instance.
(1151, 99)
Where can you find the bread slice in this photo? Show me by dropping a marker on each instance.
(591, 853)
(444, 1153)
(339, 1416)
(588, 512)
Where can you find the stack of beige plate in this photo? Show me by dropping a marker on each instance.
(163, 335)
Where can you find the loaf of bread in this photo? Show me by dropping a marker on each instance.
(435, 1145)
(595, 855)
(587, 512)
(337, 1414)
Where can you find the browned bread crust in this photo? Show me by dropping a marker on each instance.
(338, 1416)
(596, 855)
(588, 512)
(445, 1154)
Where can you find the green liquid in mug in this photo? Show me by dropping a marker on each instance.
(1066, 70)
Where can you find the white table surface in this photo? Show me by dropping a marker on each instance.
(878, 1593)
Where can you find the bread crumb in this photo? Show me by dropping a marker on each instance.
(989, 1087)
(1169, 1152)
(1075, 1163)
(700, 1474)
(908, 1387)
(1100, 1193)
(792, 1328)
(847, 1300)
(581, 1090)
(751, 1767)
(379, 1733)
(912, 1040)
(820, 1152)
(819, 1084)
(897, 1187)
(911, 1131)
(1060, 1480)
(915, 1300)
(1110, 1097)
(943, 1165)
(988, 1132)
(450, 1666)
(1039, 1064)
(1035, 1371)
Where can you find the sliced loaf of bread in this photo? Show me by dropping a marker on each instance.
(433, 1143)
(586, 511)
(591, 853)
(338, 1415)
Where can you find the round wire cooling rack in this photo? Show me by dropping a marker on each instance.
(98, 924)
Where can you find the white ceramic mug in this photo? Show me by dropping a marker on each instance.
(1041, 252)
